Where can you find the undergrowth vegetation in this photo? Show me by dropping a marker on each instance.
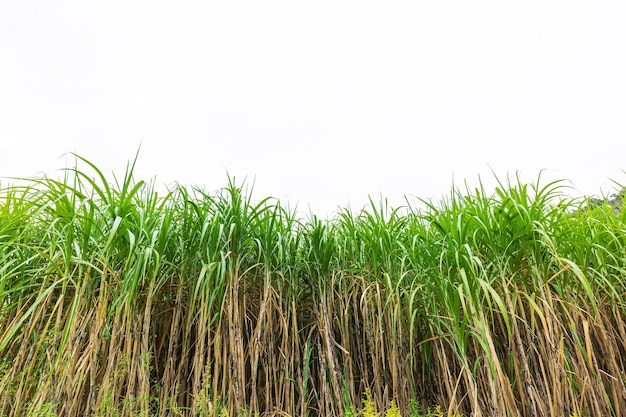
(118, 301)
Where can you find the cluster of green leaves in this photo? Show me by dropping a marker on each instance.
(116, 300)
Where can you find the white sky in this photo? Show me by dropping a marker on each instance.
(321, 102)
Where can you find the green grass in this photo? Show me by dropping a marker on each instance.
(116, 300)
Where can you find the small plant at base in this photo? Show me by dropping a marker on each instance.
(438, 412)
(351, 412)
(414, 408)
(393, 410)
(369, 410)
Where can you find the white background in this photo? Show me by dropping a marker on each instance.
(322, 103)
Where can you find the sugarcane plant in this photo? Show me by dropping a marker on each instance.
(117, 299)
